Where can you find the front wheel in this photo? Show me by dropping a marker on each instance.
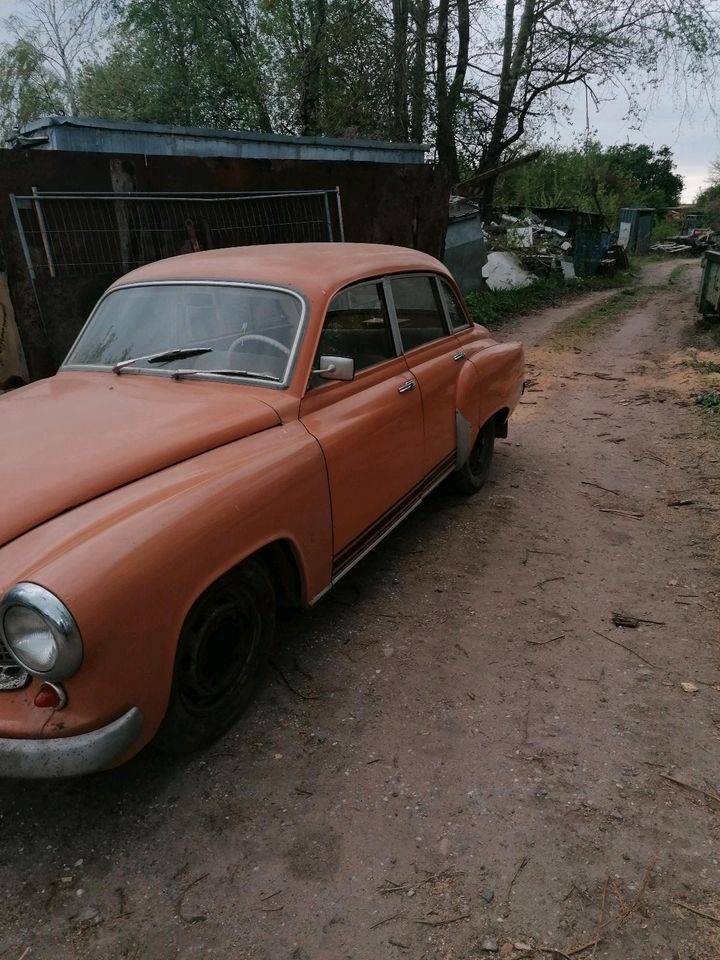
(223, 646)
(473, 473)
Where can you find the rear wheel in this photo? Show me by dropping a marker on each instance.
(223, 646)
(473, 473)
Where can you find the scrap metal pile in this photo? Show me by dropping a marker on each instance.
(697, 241)
(521, 249)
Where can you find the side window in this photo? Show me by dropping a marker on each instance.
(419, 312)
(458, 320)
(357, 326)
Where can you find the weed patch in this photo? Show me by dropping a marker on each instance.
(705, 366)
(710, 400)
(492, 307)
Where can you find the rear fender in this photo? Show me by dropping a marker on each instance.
(489, 386)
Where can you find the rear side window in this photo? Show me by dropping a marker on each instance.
(419, 311)
(458, 320)
(357, 326)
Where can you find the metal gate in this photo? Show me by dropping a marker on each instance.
(81, 234)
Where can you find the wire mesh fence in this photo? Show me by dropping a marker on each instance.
(80, 234)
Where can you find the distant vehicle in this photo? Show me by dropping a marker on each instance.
(232, 431)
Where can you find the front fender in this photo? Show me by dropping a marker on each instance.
(130, 564)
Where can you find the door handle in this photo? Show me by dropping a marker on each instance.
(409, 385)
(459, 356)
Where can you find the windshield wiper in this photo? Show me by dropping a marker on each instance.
(165, 356)
(250, 374)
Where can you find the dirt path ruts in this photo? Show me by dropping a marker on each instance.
(466, 744)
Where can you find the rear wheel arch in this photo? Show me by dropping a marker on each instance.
(500, 420)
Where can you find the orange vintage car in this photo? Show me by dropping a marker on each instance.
(232, 431)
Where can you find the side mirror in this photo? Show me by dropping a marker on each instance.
(336, 368)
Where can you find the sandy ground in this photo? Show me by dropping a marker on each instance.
(458, 755)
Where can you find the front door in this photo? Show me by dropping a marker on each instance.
(370, 428)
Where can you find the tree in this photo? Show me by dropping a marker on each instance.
(63, 34)
(480, 76)
(651, 171)
(27, 89)
(192, 62)
(595, 178)
(520, 66)
(708, 200)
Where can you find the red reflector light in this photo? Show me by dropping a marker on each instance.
(47, 696)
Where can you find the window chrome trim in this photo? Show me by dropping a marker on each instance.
(61, 622)
(202, 374)
(444, 285)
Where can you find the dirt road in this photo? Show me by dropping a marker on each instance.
(459, 755)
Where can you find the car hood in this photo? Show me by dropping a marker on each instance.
(78, 435)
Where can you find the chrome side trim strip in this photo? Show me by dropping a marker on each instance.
(70, 756)
(384, 533)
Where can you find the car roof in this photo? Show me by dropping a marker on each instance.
(313, 267)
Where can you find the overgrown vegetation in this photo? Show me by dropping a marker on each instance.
(492, 307)
(597, 179)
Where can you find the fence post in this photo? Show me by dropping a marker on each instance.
(328, 218)
(340, 214)
(43, 232)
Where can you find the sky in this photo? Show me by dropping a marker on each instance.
(693, 137)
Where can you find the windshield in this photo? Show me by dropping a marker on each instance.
(201, 327)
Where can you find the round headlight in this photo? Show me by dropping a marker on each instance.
(40, 632)
(30, 639)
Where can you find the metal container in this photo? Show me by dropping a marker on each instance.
(708, 297)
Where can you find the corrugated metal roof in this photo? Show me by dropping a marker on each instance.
(113, 136)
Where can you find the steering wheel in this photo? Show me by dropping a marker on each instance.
(258, 338)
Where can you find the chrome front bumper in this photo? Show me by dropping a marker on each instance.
(70, 756)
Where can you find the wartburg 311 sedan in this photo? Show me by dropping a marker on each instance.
(231, 432)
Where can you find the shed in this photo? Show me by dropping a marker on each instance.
(635, 227)
(465, 253)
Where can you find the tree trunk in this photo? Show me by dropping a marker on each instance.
(448, 96)
(513, 64)
(312, 74)
(421, 16)
(400, 122)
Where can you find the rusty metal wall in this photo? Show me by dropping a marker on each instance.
(382, 203)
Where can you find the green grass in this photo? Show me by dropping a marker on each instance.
(677, 272)
(491, 308)
(597, 318)
(710, 401)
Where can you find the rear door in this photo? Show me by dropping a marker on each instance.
(370, 428)
(434, 357)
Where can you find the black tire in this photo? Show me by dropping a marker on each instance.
(473, 473)
(223, 647)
